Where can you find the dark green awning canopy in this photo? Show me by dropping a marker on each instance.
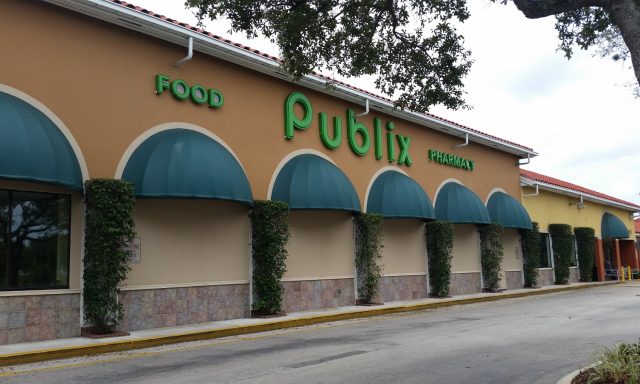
(613, 227)
(311, 182)
(181, 163)
(459, 205)
(32, 147)
(507, 211)
(396, 196)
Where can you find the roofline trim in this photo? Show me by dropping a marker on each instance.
(527, 182)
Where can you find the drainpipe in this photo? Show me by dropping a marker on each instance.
(526, 162)
(366, 108)
(537, 192)
(466, 141)
(189, 54)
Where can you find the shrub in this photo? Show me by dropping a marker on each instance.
(562, 241)
(368, 234)
(586, 242)
(439, 236)
(269, 235)
(617, 365)
(491, 255)
(109, 228)
(531, 255)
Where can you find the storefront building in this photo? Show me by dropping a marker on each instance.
(549, 200)
(92, 89)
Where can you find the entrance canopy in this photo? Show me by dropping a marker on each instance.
(397, 196)
(613, 227)
(459, 205)
(181, 163)
(32, 147)
(309, 182)
(508, 212)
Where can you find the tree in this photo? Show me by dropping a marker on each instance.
(412, 47)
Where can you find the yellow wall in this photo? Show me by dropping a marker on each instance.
(466, 249)
(191, 241)
(553, 208)
(321, 245)
(404, 250)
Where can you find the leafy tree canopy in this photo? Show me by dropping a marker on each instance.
(412, 47)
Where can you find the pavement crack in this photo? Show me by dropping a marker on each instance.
(325, 359)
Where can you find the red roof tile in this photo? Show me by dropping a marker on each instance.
(276, 59)
(564, 184)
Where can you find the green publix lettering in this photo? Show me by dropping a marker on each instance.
(358, 136)
(451, 160)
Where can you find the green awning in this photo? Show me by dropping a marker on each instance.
(459, 205)
(311, 182)
(32, 147)
(507, 211)
(181, 163)
(613, 227)
(397, 196)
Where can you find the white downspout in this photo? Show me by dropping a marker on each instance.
(189, 54)
(366, 108)
(466, 141)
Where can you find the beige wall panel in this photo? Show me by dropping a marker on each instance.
(54, 56)
(466, 249)
(191, 241)
(553, 208)
(404, 248)
(321, 245)
(77, 218)
(512, 260)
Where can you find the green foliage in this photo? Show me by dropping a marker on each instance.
(562, 241)
(617, 365)
(531, 255)
(109, 228)
(270, 235)
(491, 255)
(586, 241)
(412, 47)
(368, 233)
(439, 247)
(583, 27)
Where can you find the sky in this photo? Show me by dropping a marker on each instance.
(577, 114)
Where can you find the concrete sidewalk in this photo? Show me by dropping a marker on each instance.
(79, 346)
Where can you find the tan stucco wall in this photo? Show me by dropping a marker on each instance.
(466, 249)
(191, 241)
(512, 260)
(53, 59)
(404, 248)
(77, 220)
(321, 245)
(553, 208)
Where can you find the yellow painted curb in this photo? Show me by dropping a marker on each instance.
(153, 341)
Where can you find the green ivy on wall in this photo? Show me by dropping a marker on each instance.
(269, 235)
(586, 242)
(491, 255)
(562, 241)
(439, 237)
(109, 228)
(531, 255)
(368, 234)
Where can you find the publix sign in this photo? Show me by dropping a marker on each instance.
(358, 135)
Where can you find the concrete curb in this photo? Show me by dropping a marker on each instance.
(568, 378)
(270, 325)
